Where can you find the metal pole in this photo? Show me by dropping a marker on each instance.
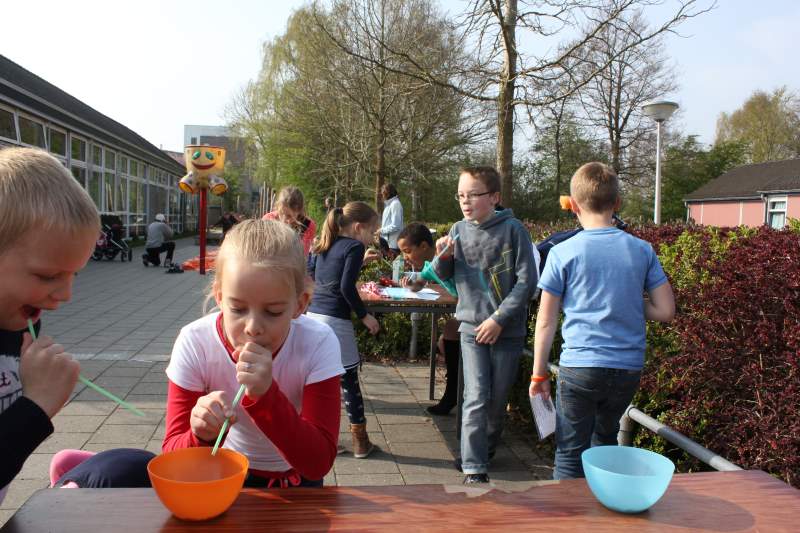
(203, 215)
(657, 208)
(681, 441)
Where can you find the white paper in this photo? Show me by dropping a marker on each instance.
(403, 293)
(544, 413)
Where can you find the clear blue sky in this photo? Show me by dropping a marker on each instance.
(155, 66)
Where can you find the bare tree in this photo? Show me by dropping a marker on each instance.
(626, 77)
(502, 73)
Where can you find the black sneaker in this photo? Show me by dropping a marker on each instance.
(144, 260)
(472, 479)
(440, 409)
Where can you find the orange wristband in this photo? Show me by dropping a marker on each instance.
(539, 379)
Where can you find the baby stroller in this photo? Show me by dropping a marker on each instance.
(111, 243)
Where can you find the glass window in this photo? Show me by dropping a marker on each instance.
(133, 207)
(122, 193)
(777, 220)
(8, 128)
(122, 164)
(108, 190)
(78, 149)
(58, 142)
(141, 189)
(80, 175)
(111, 161)
(134, 168)
(94, 188)
(31, 132)
(97, 155)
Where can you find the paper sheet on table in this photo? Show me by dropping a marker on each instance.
(544, 413)
(401, 293)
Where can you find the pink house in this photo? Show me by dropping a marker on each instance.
(750, 195)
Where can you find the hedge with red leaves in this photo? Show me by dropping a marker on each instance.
(725, 372)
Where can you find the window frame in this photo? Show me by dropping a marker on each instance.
(16, 123)
(67, 142)
(772, 211)
(35, 121)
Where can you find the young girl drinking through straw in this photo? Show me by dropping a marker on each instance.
(335, 268)
(288, 421)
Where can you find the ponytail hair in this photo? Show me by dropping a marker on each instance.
(342, 218)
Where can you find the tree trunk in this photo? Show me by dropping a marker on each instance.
(505, 103)
(380, 169)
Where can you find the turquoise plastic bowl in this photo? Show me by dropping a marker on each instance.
(626, 479)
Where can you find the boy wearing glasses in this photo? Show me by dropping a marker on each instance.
(490, 258)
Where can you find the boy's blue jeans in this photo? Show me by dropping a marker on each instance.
(489, 371)
(589, 404)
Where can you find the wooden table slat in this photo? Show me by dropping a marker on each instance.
(714, 501)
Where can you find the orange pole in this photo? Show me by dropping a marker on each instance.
(203, 223)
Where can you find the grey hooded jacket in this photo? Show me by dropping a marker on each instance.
(494, 272)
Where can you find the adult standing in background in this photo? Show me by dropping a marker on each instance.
(392, 220)
(290, 209)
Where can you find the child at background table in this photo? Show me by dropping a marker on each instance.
(290, 208)
(416, 244)
(600, 275)
(490, 258)
(47, 234)
(335, 267)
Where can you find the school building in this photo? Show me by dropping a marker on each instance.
(749, 195)
(126, 176)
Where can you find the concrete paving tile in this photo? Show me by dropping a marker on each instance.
(378, 462)
(59, 441)
(82, 408)
(127, 434)
(126, 371)
(37, 466)
(413, 417)
(147, 401)
(411, 433)
(20, 490)
(89, 395)
(366, 480)
(150, 388)
(416, 453)
(77, 424)
(123, 416)
(5, 515)
(155, 377)
(154, 446)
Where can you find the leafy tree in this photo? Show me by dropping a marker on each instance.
(767, 124)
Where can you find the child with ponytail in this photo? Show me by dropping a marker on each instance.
(335, 267)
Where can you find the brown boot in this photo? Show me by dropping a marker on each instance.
(362, 447)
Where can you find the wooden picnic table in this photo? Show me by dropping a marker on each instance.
(445, 304)
(714, 501)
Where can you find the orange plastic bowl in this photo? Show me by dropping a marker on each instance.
(196, 485)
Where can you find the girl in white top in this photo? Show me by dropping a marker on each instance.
(287, 424)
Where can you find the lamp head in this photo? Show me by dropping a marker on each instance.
(659, 110)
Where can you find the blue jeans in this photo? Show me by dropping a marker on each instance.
(589, 404)
(489, 371)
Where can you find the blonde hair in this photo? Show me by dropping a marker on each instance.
(267, 244)
(290, 197)
(342, 218)
(595, 187)
(37, 192)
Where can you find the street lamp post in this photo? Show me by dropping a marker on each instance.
(659, 111)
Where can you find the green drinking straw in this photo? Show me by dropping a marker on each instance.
(91, 385)
(228, 419)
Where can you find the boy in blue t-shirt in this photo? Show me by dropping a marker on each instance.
(599, 276)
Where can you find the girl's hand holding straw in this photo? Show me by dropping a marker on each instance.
(254, 369)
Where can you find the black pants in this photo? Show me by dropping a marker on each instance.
(452, 353)
(353, 401)
(117, 468)
(154, 254)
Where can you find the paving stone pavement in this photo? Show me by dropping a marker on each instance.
(121, 323)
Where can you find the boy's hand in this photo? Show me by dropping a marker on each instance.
(47, 373)
(372, 324)
(208, 415)
(488, 332)
(414, 284)
(445, 246)
(542, 388)
(254, 369)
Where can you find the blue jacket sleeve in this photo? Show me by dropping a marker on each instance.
(352, 267)
(445, 268)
